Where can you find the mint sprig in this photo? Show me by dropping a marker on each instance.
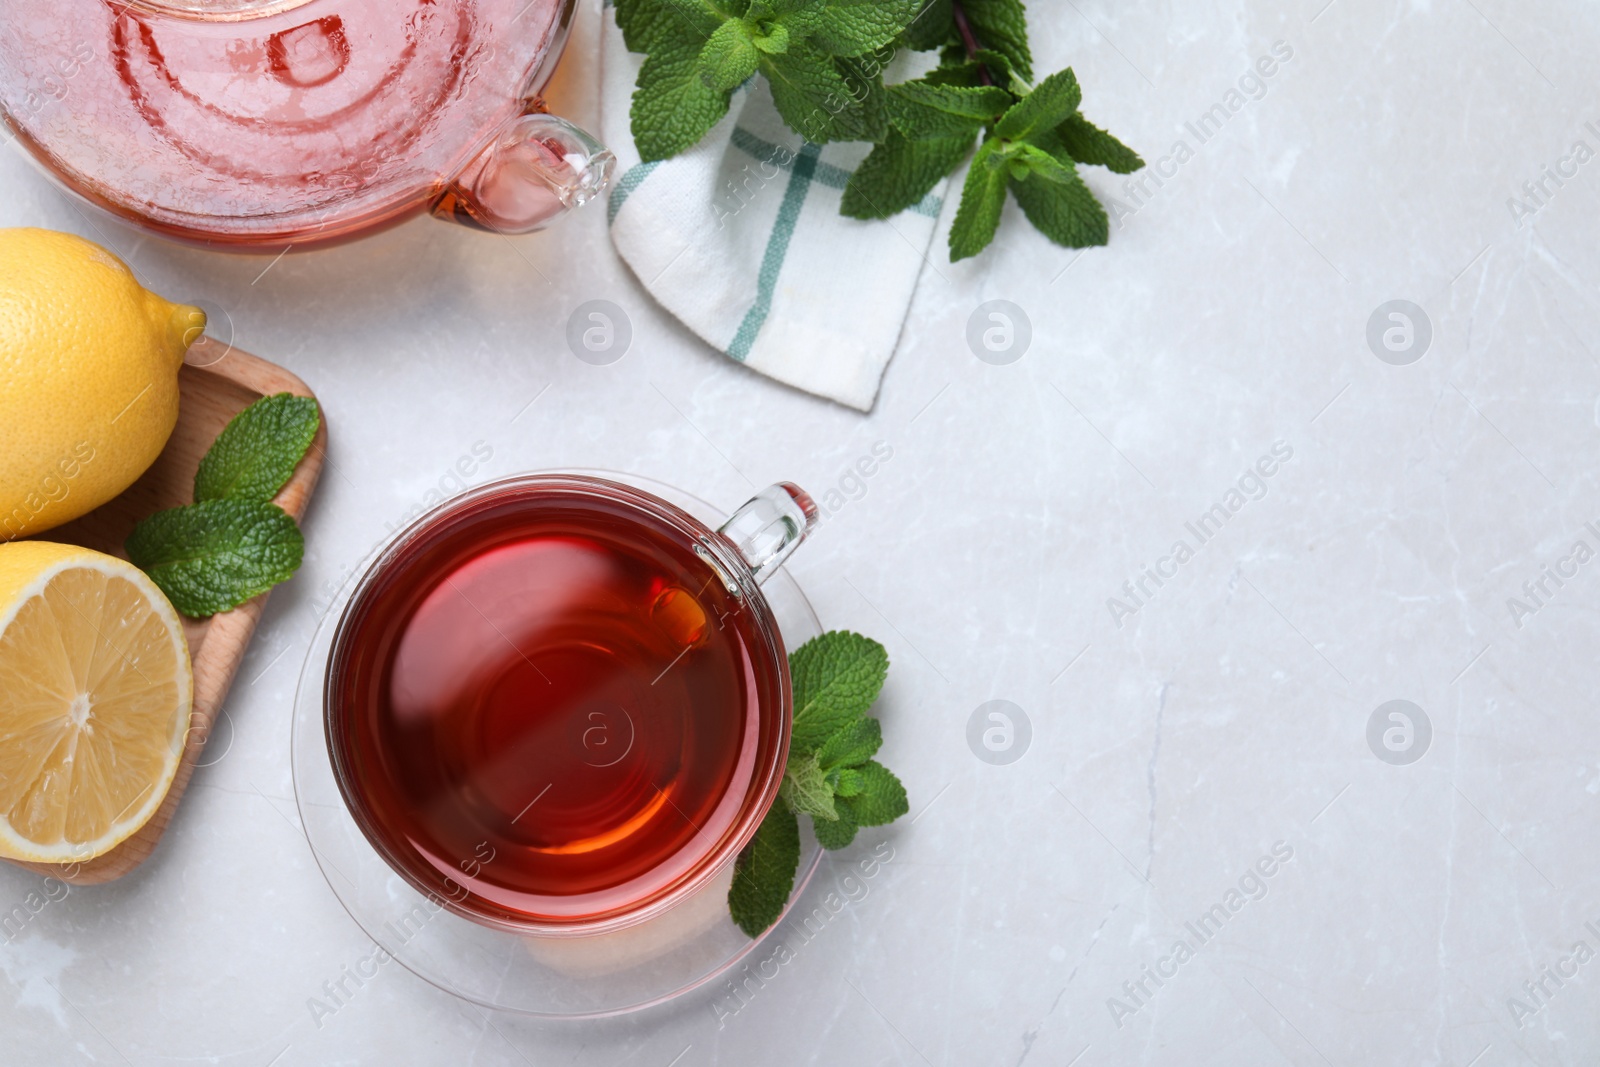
(233, 543)
(823, 60)
(831, 775)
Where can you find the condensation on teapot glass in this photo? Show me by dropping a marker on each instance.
(217, 10)
(310, 55)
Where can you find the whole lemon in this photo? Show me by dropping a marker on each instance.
(89, 365)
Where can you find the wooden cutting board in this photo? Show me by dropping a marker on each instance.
(216, 383)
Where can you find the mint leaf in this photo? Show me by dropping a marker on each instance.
(851, 747)
(851, 27)
(215, 555)
(763, 875)
(933, 26)
(1001, 70)
(882, 798)
(847, 782)
(699, 18)
(836, 677)
(764, 10)
(1065, 211)
(648, 24)
(1089, 144)
(921, 109)
(255, 455)
(955, 69)
(1034, 162)
(983, 198)
(958, 68)
(806, 789)
(837, 834)
(822, 104)
(1049, 105)
(899, 173)
(982, 102)
(775, 40)
(1002, 26)
(729, 57)
(864, 74)
(673, 107)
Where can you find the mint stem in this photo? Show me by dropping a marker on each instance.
(969, 40)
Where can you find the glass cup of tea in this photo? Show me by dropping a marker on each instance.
(559, 705)
(256, 125)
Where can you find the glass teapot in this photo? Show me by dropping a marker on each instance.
(271, 123)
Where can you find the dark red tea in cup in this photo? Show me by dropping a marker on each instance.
(560, 704)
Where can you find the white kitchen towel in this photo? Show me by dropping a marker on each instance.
(741, 239)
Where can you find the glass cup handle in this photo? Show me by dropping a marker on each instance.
(768, 529)
(536, 169)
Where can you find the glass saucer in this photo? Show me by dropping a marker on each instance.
(571, 978)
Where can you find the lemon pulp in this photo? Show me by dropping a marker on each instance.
(95, 697)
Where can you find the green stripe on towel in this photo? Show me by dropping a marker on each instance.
(804, 168)
(625, 187)
(826, 173)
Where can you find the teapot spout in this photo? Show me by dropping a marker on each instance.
(538, 168)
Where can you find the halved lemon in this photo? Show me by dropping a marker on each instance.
(95, 694)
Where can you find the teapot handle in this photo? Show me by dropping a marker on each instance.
(537, 168)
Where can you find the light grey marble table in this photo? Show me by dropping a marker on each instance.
(1203, 767)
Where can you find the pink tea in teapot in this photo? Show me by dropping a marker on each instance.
(258, 122)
